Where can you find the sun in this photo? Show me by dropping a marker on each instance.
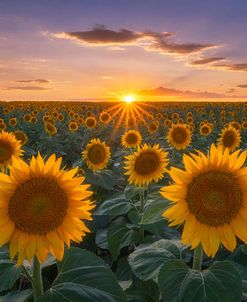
(129, 99)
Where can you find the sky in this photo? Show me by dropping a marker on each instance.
(105, 49)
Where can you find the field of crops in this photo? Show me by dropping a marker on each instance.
(139, 202)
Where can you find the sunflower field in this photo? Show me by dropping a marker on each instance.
(139, 202)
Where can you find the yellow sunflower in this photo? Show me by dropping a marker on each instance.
(210, 198)
(229, 138)
(21, 136)
(145, 165)
(179, 136)
(9, 146)
(104, 117)
(41, 207)
(73, 126)
(205, 129)
(96, 154)
(90, 122)
(131, 139)
(50, 128)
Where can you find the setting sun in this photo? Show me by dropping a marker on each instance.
(129, 98)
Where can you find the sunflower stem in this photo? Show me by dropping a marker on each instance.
(142, 205)
(37, 283)
(197, 261)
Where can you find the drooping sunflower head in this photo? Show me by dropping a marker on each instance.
(229, 138)
(9, 146)
(179, 136)
(50, 128)
(145, 165)
(131, 139)
(210, 198)
(96, 154)
(41, 208)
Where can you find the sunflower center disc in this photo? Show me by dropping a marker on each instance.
(6, 151)
(38, 206)
(214, 198)
(179, 135)
(228, 139)
(96, 154)
(205, 129)
(131, 138)
(146, 163)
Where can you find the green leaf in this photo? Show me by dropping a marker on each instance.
(115, 207)
(9, 273)
(104, 179)
(120, 235)
(16, 296)
(141, 291)
(131, 191)
(153, 211)
(83, 277)
(146, 261)
(220, 282)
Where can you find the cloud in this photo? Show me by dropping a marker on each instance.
(206, 61)
(242, 86)
(25, 88)
(149, 40)
(38, 81)
(231, 66)
(171, 92)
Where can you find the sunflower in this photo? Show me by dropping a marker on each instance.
(9, 146)
(21, 136)
(145, 165)
(90, 122)
(13, 121)
(210, 197)
(205, 129)
(104, 117)
(73, 126)
(50, 128)
(152, 127)
(229, 138)
(27, 117)
(41, 207)
(179, 136)
(131, 139)
(96, 154)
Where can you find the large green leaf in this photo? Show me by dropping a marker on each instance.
(83, 277)
(153, 211)
(115, 206)
(120, 235)
(9, 273)
(220, 282)
(146, 261)
(17, 296)
(141, 291)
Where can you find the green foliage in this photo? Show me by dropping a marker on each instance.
(82, 276)
(220, 282)
(9, 273)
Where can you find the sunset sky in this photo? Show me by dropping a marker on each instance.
(104, 49)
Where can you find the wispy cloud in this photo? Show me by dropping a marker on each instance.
(149, 40)
(26, 88)
(38, 81)
(206, 61)
(171, 92)
(242, 86)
